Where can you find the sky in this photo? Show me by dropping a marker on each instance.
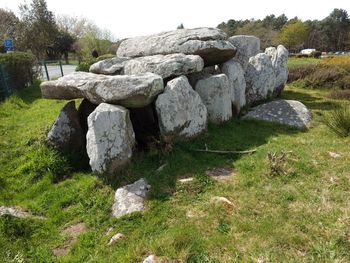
(128, 18)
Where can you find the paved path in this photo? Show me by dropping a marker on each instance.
(55, 72)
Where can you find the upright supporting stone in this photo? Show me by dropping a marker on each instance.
(110, 138)
(215, 94)
(181, 112)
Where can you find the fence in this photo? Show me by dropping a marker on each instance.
(51, 72)
(5, 88)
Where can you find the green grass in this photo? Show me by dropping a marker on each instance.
(299, 217)
(302, 61)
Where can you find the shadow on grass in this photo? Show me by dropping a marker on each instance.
(30, 94)
(184, 161)
(312, 102)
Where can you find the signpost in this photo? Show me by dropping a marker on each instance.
(9, 45)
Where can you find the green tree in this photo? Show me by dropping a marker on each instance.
(293, 35)
(336, 27)
(39, 27)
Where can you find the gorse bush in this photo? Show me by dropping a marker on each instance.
(316, 54)
(338, 120)
(20, 67)
(340, 61)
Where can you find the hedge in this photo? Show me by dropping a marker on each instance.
(20, 67)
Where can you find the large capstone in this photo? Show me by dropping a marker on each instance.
(216, 96)
(130, 198)
(181, 112)
(279, 59)
(110, 138)
(289, 112)
(209, 43)
(132, 91)
(260, 78)
(237, 85)
(163, 65)
(247, 46)
(66, 134)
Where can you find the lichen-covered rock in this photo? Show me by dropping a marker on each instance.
(193, 78)
(216, 96)
(279, 59)
(130, 198)
(110, 138)
(132, 91)
(181, 112)
(260, 78)
(289, 112)
(66, 134)
(163, 65)
(237, 85)
(247, 46)
(209, 43)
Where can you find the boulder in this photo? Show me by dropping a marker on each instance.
(163, 65)
(260, 78)
(181, 112)
(209, 43)
(132, 91)
(130, 198)
(110, 138)
(66, 133)
(205, 73)
(289, 112)
(279, 59)
(247, 46)
(237, 85)
(111, 66)
(216, 96)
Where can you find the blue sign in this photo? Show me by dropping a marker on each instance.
(8, 44)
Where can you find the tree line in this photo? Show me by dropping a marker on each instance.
(329, 34)
(47, 36)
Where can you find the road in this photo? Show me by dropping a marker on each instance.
(55, 72)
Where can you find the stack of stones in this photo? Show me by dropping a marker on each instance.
(168, 85)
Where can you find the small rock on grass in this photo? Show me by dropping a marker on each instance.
(17, 211)
(222, 200)
(115, 238)
(220, 173)
(334, 154)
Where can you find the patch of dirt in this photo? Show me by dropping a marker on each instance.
(73, 232)
(221, 174)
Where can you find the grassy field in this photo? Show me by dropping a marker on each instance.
(301, 216)
(302, 61)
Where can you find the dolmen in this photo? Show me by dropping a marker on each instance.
(167, 85)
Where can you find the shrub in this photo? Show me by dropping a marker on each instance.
(85, 64)
(338, 120)
(20, 67)
(301, 55)
(319, 76)
(316, 54)
(340, 61)
(278, 163)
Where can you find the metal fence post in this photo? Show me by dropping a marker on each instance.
(47, 73)
(61, 68)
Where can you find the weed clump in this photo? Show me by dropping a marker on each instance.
(278, 163)
(338, 120)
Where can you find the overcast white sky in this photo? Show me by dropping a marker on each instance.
(129, 18)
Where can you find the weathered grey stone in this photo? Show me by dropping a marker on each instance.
(17, 211)
(209, 43)
(279, 59)
(111, 66)
(66, 133)
(130, 198)
(163, 65)
(216, 96)
(181, 112)
(247, 46)
(260, 78)
(289, 112)
(110, 138)
(205, 73)
(235, 73)
(132, 91)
